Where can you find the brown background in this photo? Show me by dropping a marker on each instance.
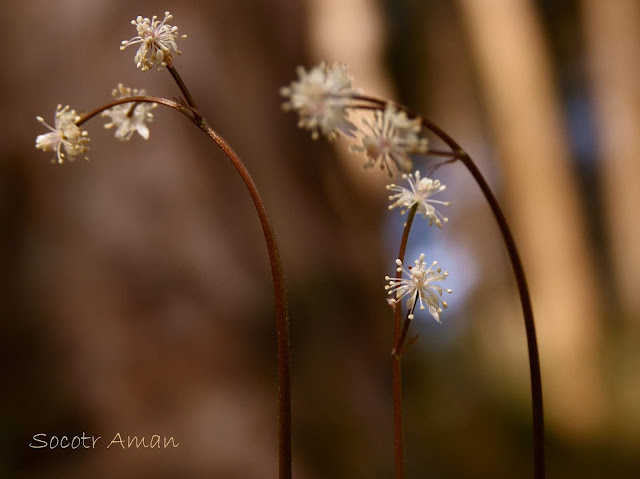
(136, 295)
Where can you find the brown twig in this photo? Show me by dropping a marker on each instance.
(282, 321)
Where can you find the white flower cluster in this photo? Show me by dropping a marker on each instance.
(320, 96)
(391, 138)
(157, 41)
(420, 193)
(323, 96)
(129, 118)
(420, 287)
(65, 137)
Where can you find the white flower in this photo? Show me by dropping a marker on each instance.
(129, 117)
(65, 135)
(421, 191)
(419, 287)
(320, 97)
(157, 41)
(391, 139)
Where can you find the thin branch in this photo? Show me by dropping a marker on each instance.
(518, 270)
(284, 356)
(188, 112)
(282, 320)
(525, 298)
(183, 88)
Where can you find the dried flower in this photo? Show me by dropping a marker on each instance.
(419, 287)
(320, 97)
(420, 193)
(65, 135)
(391, 139)
(129, 117)
(157, 42)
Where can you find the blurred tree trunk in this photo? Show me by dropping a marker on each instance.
(613, 44)
(541, 201)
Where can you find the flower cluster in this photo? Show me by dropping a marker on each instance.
(320, 96)
(323, 96)
(419, 287)
(129, 118)
(391, 138)
(65, 138)
(157, 41)
(420, 193)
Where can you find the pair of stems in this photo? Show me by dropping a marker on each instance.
(458, 154)
(282, 322)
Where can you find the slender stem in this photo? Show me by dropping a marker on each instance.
(282, 321)
(137, 99)
(398, 339)
(399, 348)
(403, 249)
(183, 88)
(436, 167)
(525, 299)
(398, 445)
(445, 153)
(284, 359)
(518, 270)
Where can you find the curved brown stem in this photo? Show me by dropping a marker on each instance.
(188, 112)
(183, 88)
(282, 320)
(185, 91)
(525, 299)
(284, 357)
(518, 270)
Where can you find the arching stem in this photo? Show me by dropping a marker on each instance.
(516, 263)
(525, 298)
(282, 320)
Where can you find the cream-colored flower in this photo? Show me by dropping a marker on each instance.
(320, 97)
(157, 41)
(128, 118)
(65, 138)
(419, 287)
(420, 193)
(391, 138)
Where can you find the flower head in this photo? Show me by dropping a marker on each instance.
(420, 193)
(419, 287)
(65, 135)
(320, 97)
(391, 138)
(129, 117)
(157, 41)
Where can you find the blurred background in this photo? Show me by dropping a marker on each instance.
(135, 290)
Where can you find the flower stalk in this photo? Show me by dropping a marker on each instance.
(458, 153)
(396, 359)
(523, 292)
(129, 113)
(392, 140)
(282, 321)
